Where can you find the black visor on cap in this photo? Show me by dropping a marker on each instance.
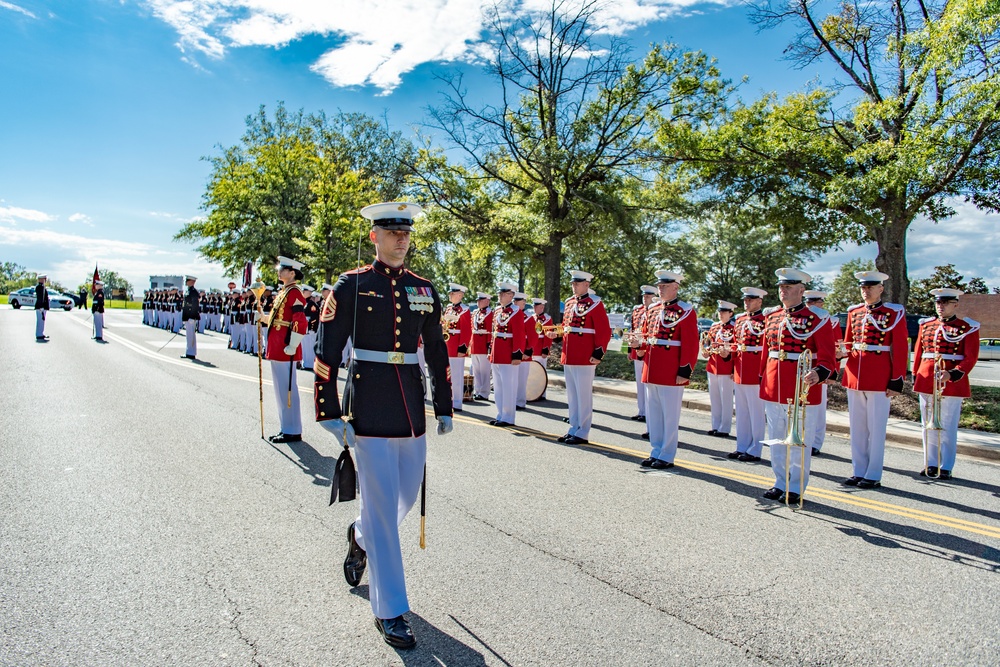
(869, 283)
(945, 299)
(815, 298)
(665, 281)
(394, 224)
(579, 280)
(789, 281)
(725, 310)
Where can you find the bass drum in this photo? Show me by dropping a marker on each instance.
(468, 384)
(538, 381)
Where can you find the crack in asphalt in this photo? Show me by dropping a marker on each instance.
(234, 624)
(296, 505)
(610, 584)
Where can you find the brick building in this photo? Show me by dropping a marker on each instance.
(985, 309)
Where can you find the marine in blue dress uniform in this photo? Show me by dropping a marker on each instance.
(384, 309)
(97, 310)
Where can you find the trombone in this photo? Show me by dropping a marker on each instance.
(795, 434)
(933, 421)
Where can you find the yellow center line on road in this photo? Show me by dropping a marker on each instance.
(707, 468)
(766, 482)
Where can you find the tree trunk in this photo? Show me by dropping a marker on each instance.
(553, 273)
(891, 259)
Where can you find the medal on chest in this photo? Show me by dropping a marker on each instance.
(420, 298)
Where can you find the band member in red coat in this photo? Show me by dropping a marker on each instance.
(788, 331)
(816, 414)
(669, 353)
(876, 364)
(482, 332)
(955, 341)
(586, 334)
(638, 321)
(541, 342)
(749, 334)
(458, 318)
(286, 329)
(506, 352)
(530, 336)
(719, 352)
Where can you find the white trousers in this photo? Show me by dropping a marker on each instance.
(720, 394)
(481, 369)
(522, 384)
(457, 381)
(869, 414)
(98, 325)
(202, 319)
(226, 321)
(799, 458)
(390, 471)
(580, 397)
(951, 410)
(290, 417)
(190, 329)
(176, 322)
(640, 387)
(39, 323)
(505, 391)
(308, 350)
(663, 420)
(750, 419)
(816, 423)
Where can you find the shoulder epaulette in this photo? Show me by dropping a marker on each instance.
(925, 320)
(819, 311)
(362, 269)
(855, 306)
(893, 306)
(770, 309)
(972, 322)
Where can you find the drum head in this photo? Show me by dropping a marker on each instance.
(538, 380)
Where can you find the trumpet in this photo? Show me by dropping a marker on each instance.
(795, 434)
(933, 422)
(553, 328)
(634, 339)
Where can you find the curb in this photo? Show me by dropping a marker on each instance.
(904, 439)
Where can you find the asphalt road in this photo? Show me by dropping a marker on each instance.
(145, 522)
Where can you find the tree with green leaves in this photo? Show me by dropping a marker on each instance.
(14, 276)
(914, 126)
(569, 142)
(112, 281)
(844, 291)
(921, 300)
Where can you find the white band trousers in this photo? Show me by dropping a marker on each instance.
(580, 397)
(800, 457)
(663, 419)
(283, 376)
(750, 419)
(869, 415)
(951, 411)
(720, 394)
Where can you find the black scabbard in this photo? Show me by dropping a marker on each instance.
(343, 487)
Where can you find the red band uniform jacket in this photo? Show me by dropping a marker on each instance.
(790, 331)
(878, 352)
(540, 343)
(638, 321)
(508, 335)
(721, 335)
(749, 332)
(586, 331)
(676, 325)
(530, 336)
(482, 330)
(957, 340)
(395, 308)
(459, 329)
(288, 315)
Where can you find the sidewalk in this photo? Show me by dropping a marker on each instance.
(977, 444)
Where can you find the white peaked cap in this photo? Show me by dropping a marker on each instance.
(946, 293)
(790, 276)
(649, 289)
(482, 295)
(327, 286)
(581, 275)
(535, 302)
(520, 296)
(814, 294)
(871, 276)
(664, 276)
(307, 288)
(290, 263)
(506, 287)
(725, 305)
(754, 292)
(455, 287)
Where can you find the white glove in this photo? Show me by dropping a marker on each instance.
(293, 343)
(444, 425)
(257, 316)
(342, 431)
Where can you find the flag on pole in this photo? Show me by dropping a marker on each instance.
(247, 275)
(93, 283)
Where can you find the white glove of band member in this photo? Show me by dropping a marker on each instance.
(257, 316)
(341, 430)
(444, 425)
(293, 343)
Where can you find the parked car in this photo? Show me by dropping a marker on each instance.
(26, 297)
(69, 295)
(704, 324)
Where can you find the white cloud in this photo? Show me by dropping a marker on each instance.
(11, 214)
(16, 8)
(82, 218)
(377, 41)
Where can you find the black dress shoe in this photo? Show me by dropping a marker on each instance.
(868, 484)
(929, 471)
(645, 436)
(356, 561)
(635, 418)
(190, 356)
(749, 458)
(493, 422)
(791, 498)
(851, 481)
(773, 493)
(658, 464)
(945, 474)
(396, 632)
(646, 463)
(733, 455)
(99, 340)
(562, 438)
(518, 408)
(816, 452)
(286, 437)
(711, 432)
(566, 419)
(573, 440)
(641, 419)
(477, 397)
(456, 409)
(503, 424)
(721, 434)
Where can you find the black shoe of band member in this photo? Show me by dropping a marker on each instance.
(562, 438)
(566, 419)
(711, 432)
(749, 458)
(659, 464)
(356, 561)
(929, 471)
(773, 493)
(645, 436)
(945, 474)
(721, 434)
(574, 440)
(868, 484)
(733, 455)
(635, 418)
(816, 452)
(851, 481)
(285, 437)
(518, 408)
(396, 632)
(646, 463)
(790, 498)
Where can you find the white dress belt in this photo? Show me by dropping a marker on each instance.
(579, 330)
(503, 335)
(750, 348)
(782, 355)
(480, 331)
(949, 357)
(865, 347)
(379, 357)
(454, 331)
(664, 343)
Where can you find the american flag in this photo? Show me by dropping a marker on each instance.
(93, 284)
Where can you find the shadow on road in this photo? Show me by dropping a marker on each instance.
(311, 462)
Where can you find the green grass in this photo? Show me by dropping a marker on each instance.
(127, 305)
(3, 299)
(982, 410)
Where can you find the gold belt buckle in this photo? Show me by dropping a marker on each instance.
(782, 355)
(861, 347)
(395, 357)
(742, 348)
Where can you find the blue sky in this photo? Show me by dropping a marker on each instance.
(110, 105)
